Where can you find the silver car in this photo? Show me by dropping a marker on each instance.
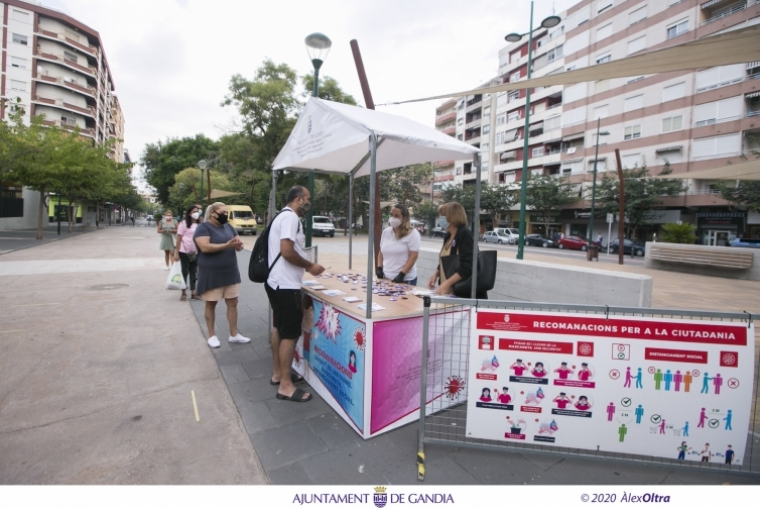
(497, 237)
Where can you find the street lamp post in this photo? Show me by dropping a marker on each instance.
(317, 46)
(593, 185)
(549, 22)
(202, 165)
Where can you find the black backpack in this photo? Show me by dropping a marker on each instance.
(258, 267)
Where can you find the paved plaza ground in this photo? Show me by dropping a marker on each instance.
(99, 363)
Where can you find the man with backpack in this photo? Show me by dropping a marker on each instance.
(287, 263)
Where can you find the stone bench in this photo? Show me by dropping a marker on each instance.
(729, 262)
(721, 257)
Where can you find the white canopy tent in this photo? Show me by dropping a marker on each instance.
(336, 138)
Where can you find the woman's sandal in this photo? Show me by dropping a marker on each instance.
(196, 297)
(183, 298)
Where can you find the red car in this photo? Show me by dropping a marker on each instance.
(572, 242)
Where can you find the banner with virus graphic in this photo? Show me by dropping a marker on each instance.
(335, 352)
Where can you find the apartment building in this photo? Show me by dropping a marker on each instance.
(689, 120)
(56, 65)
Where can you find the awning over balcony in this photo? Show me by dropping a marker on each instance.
(537, 125)
(676, 148)
(508, 155)
(749, 170)
(573, 137)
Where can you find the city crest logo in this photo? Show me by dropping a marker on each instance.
(380, 498)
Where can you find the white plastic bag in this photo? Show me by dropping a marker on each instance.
(175, 279)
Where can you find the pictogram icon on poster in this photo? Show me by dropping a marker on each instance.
(729, 359)
(733, 383)
(621, 352)
(696, 373)
(585, 349)
(650, 370)
(614, 374)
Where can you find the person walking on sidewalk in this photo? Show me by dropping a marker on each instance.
(218, 274)
(133, 220)
(287, 259)
(186, 252)
(167, 227)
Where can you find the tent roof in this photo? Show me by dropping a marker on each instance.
(334, 138)
(737, 46)
(216, 193)
(749, 170)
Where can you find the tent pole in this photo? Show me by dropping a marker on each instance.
(475, 226)
(350, 218)
(372, 205)
(272, 196)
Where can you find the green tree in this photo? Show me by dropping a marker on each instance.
(186, 188)
(329, 89)
(427, 212)
(643, 195)
(546, 195)
(163, 160)
(743, 193)
(497, 199)
(678, 233)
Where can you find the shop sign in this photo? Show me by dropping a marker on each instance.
(544, 218)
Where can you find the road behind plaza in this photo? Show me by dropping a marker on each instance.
(96, 383)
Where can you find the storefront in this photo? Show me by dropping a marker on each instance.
(545, 224)
(719, 228)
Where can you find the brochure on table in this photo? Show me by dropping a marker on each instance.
(679, 389)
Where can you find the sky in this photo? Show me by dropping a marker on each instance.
(172, 60)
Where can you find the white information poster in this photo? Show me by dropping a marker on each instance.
(679, 389)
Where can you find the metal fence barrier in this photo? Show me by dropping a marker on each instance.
(445, 424)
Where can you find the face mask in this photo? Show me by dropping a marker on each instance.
(394, 222)
(195, 215)
(222, 218)
(443, 222)
(305, 207)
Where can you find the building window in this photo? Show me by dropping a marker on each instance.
(673, 92)
(514, 77)
(724, 145)
(18, 62)
(487, 111)
(513, 116)
(673, 123)
(634, 79)
(20, 16)
(603, 5)
(70, 57)
(678, 28)
(720, 76)
(460, 137)
(637, 44)
(631, 160)
(19, 86)
(632, 132)
(637, 15)
(486, 129)
(513, 95)
(460, 121)
(601, 112)
(553, 122)
(20, 39)
(71, 35)
(554, 54)
(604, 32)
(604, 58)
(719, 111)
(68, 121)
(538, 151)
(601, 86)
(632, 103)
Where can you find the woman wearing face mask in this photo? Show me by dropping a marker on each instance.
(167, 227)
(399, 248)
(186, 252)
(218, 274)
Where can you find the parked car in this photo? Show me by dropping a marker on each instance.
(538, 240)
(512, 233)
(438, 231)
(572, 242)
(322, 226)
(628, 245)
(746, 242)
(499, 237)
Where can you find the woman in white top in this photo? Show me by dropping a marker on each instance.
(399, 248)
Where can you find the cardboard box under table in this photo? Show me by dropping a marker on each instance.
(368, 369)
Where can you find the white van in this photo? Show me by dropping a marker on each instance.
(512, 233)
(322, 226)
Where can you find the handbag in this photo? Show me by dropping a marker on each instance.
(486, 273)
(192, 256)
(175, 280)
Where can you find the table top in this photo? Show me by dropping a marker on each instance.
(405, 305)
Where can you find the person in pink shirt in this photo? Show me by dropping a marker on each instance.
(584, 374)
(519, 367)
(538, 370)
(582, 404)
(186, 252)
(485, 395)
(562, 400)
(504, 398)
(563, 371)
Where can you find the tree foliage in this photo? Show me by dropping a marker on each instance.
(546, 195)
(743, 193)
(329, 89)
(678, 233)
(643, 195)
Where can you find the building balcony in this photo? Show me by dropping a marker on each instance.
(48, 34)
(473, 124)
(442, 164)
(451, 131)
(545, 160)
(448, 117)
(59, 103)
(475, 138)
(87, 90)
(508, 166)
(444, 178)
(59, 59)
(721, 12)
(474, 106)
(84, 132)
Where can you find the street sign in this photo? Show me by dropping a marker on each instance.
(610, 217)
